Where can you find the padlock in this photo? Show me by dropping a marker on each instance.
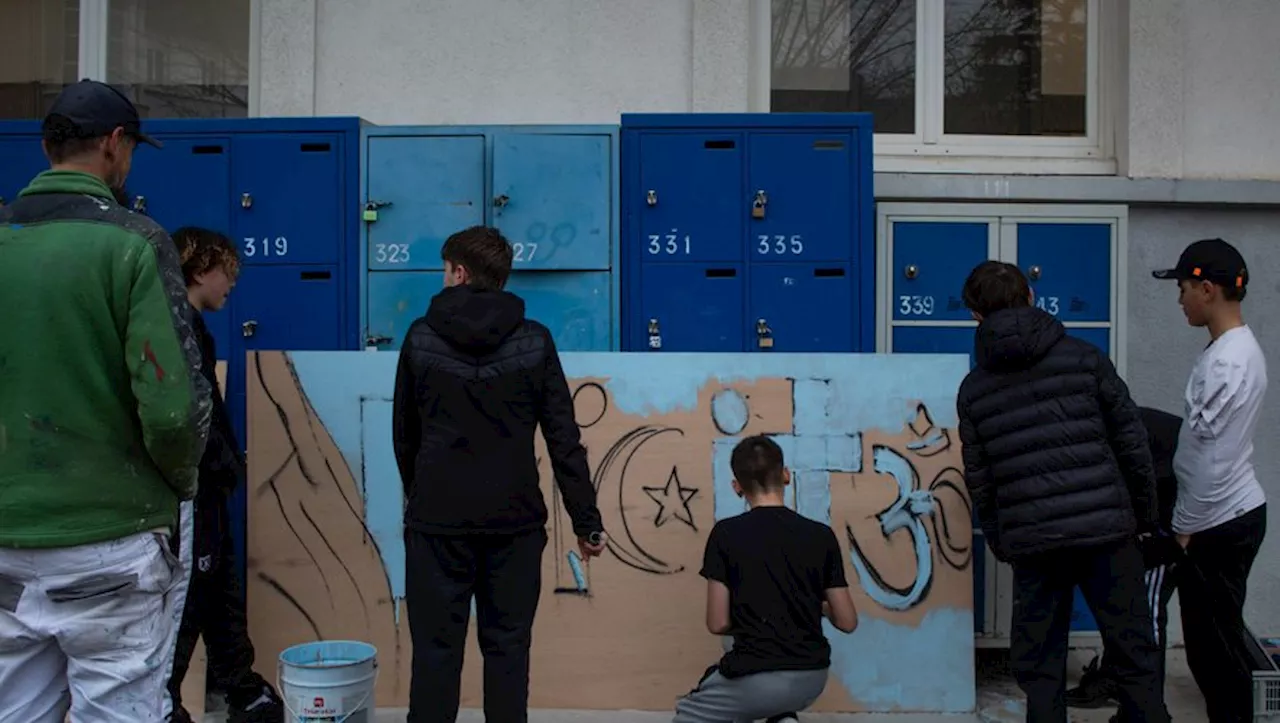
(655, 336)
(764, 335)
(757, 205)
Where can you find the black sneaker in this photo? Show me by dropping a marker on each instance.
(1096, 690)
(265, 708)
(180, 716)
(783, 718)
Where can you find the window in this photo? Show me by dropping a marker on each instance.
(181, 58)
(39, 55)
(945, 77)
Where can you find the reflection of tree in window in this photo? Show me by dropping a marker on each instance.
(1015, 67)
(181, 58)
(38, 56)
(846, 55)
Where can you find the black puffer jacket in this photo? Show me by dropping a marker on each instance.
(1055, 453)
(475, 380)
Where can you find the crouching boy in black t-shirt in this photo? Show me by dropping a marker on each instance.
(771, 577)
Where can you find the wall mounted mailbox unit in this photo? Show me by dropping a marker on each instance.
(285, 191)
(748, 232)
(552, 192)
(1073, 255)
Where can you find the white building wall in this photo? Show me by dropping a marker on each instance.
(502, 61)
(1203, 94)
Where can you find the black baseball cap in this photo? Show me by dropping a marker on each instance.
(1210, 259)
(97, 109)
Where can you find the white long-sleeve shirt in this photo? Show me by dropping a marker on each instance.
(1214, 461)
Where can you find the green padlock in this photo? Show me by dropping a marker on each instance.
(370, 215)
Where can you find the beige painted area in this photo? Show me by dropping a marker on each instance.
(193, 688)
(638, 640)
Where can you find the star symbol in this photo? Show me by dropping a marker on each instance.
(673, 501)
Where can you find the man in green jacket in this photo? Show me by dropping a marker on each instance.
(103, 418)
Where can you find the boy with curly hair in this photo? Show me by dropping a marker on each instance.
(215, 607)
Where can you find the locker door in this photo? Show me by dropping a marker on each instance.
(804, 308)
(21, 159)
(694, 208)
(286, 198)
(574, 306)
(804, 184)
(1069, 266)
(187, 183)
(934, 340)
(432, 186)
(288, 308)
(931, 260)
(691, 308)
(551, 198)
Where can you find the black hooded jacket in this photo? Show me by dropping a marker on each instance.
(1055, 452)
(222, 468)
(474, 381)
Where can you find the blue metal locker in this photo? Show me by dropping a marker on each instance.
(931, 261)
(738, 226)
(285, 190)
(574, 305)
(551, 190)
(1069, 266)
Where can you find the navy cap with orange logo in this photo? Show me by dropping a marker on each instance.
(1210, 259)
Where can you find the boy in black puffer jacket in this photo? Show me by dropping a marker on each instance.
(215, 607)
(1057, 463)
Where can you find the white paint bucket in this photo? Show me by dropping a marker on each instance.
(328, 681)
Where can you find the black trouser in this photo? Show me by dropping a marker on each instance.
(1211, 591)
(443, 572)
(1161, 582)
(215, 609)
(1111, 578)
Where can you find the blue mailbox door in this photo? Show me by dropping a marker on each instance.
(692, 307)
(800, 186)
(551, 199)
(1069, 266)
(804, 308)
(694, 208)
(931, 260)
(286, 204)
(289, 308)
(187, 183)
(431, 186)
(21, 159)
(573, 305)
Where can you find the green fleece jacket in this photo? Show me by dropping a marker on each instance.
(103, 410)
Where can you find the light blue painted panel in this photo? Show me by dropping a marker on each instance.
(552, 199)
(574, 305)
(434, 186)
(835, 398)
(382, 488)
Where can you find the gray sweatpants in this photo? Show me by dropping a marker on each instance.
(718, 699)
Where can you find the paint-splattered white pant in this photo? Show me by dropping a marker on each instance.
(89, 630)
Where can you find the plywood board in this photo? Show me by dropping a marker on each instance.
(870, 441)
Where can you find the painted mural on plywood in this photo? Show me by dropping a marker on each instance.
(873, 452)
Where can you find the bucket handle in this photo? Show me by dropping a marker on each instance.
(356, 709)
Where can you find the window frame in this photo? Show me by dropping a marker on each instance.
(930, 148)
(94, 27)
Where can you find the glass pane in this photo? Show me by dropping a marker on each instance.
(846, 55)
(1016, 67)
(181, 58)
(39, 54)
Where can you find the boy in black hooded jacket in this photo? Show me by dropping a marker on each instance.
(215, 608)
(1057, 463)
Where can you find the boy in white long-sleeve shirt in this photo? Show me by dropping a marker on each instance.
(1221, 514)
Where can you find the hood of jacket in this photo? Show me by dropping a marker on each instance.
(475, 321)
(1014, 339)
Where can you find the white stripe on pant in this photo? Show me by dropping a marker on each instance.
(1155, 580)
(87, 629)
(186, 548)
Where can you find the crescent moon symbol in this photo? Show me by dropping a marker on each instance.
(625, 547)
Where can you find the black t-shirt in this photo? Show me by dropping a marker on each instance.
(777, 566)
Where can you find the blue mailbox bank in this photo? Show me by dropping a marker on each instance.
(737, 228)
(285, 190)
